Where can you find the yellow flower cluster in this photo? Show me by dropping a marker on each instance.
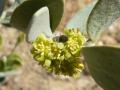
(61, 58)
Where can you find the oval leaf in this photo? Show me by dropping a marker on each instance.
(79, 20)
(40, 23)
(103, 15)
(104, 65)
(23, 14)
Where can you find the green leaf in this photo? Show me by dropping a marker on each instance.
(23, 14)
(2, 3)
(79, 20)
(104, 65)
(103, 15)
(35, 27)
(12, 62)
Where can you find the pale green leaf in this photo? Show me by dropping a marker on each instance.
(23, 14)
(40, 23)
(79, 20)
(103, 15)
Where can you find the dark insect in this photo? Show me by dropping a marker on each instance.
(61, 38)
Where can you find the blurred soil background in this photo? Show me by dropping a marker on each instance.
(33, 76)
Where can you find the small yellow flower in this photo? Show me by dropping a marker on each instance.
(60, 57)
